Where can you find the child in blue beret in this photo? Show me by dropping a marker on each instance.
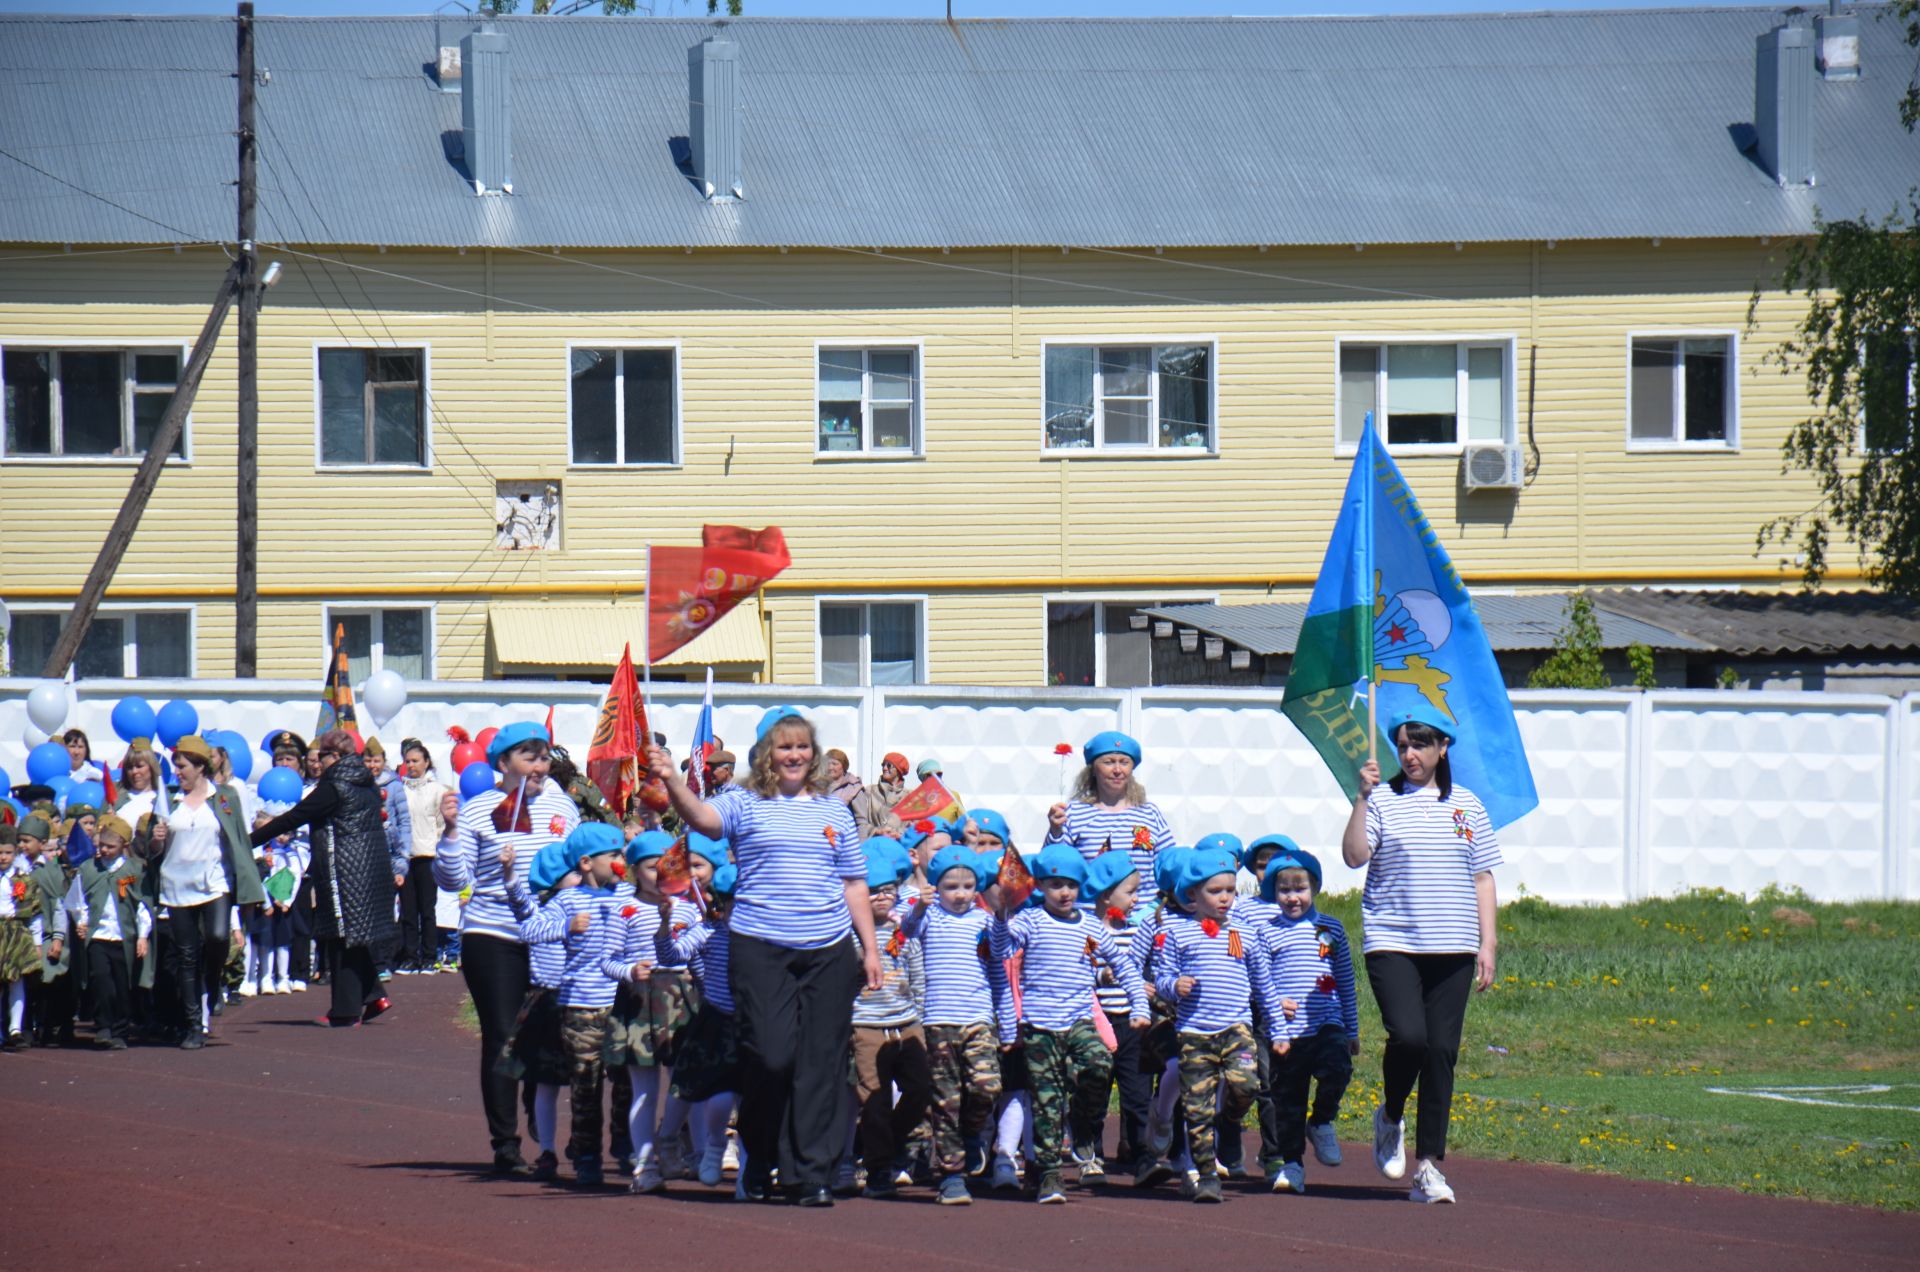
(706, 1056)
(889, 1046)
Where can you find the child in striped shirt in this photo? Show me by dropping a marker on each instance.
(533, 1051)
(889, 1044)
(1160, 1049)
(654, 1005)
(706, 1053)
(584, 918)
(1313, 983)
(1057, 949)
(1114, 885)
(1250, 910)
(1214, 969)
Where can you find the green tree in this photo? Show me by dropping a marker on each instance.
(1575, 661)
(1640, 658)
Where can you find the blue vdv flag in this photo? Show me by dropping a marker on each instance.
(1387, 586)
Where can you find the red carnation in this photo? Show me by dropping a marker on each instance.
(1325, 983)
(1063, 748)
(557, 826)
(628, 912)
(1210, 927)
(457, 734)
(924, 826)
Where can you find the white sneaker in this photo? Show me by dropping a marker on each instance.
(1326, 1143)
(1291, 1177)
(1389, 1145)
(298, 985)
(648, 1179)
(1429, 1185)
(1005, 1173)
(710, 1163)
(1189, 1183)
(730, 1159)
(248, 989)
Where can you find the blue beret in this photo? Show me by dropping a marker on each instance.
(954, 857)
(773, 716)
(1298, 859)
(990, 822)
(989, 867)
(1201, 865)
(1221, 840)
(1060, 861)
(902, 860)
(513, 735)
(1166, 867)
(714, 850)
(590, 839)
(725, 878)
(1108, 870)
(910, 835)
(1426, 713)
(1111, 742)
(647, 845)
(880, 863)
(1277, 842)
(550, 865)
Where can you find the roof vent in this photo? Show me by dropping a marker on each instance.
(486, 111)
(1783, 104)
(713, 120)
(1839, 39)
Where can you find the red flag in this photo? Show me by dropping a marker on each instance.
(549, 726)
(106, 778)
(1016, 881)
(691, 588)
(613, 759)
(674, 874)
(929, 799)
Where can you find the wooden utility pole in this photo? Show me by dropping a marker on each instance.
(246, 594)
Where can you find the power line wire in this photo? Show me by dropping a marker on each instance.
(91, 194)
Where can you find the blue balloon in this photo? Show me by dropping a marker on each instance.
(62, 790)
(48, 761)
(92, 794)
(266, 743)
(176, 720)
(238, 756)
(280, 786)
(133, 718)
(475, 778)
(6, 783)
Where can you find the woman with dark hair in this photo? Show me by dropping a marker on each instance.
(80, 757)
(352, 875)
(1428, 912)
(793, 967)
(419, 896)
(207, 868)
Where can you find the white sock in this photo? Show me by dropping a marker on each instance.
(1015, 1130)
(546, 1112)
(282, 957)
(643, 1115)
(16, 1007)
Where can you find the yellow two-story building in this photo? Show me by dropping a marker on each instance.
(1014, 327)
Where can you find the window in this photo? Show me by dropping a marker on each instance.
(383, 640)
(1426, 394)
(1108, 643)
(1129, 398)
(1682, 391)
(870, 643)
(89, 403)
(869, 401)
(120, 643)
(623, 406)
(373, 407)
(1886, 391)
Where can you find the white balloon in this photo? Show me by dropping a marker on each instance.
(33, 736)
(384, 693)
(47, 705)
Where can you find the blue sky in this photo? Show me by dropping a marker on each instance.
(872, 8)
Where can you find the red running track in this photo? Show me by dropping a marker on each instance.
(289, 1147)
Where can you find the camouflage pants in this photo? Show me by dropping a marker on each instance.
(965, 1060)
(583, 1032)
(649, 1017)
(1069, 1070)
(1218, 1071)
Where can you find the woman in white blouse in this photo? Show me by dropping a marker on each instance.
(207, 869)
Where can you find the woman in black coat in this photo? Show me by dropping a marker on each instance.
(351, 872)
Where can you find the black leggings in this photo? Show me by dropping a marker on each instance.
(200, 937)
(496, 973)
(1423, 1003)
(356, 982)
(419, 899)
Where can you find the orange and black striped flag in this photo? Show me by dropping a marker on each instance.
(336, 694)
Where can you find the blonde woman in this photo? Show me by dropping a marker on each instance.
(1110, 808)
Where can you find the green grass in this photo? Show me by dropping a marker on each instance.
(1599, 1043)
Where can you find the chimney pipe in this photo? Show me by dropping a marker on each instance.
(486, 111)
(1838, 35)
(1783, 104)
(713, 120)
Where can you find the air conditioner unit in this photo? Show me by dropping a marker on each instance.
(1491, 466)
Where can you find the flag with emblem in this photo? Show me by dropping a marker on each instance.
(1390, 608)
(336, 695)
(613, 758)
(929, 799)
(691, 589)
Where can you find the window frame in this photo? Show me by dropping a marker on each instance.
(127, 350)
(921, 655)
(1508, 344)
(1100, 601)
(331, 612)
(1153, 450)
(620, 404)
(914, 344)
(129, 647)
(425, 348)
(1913, 387)
(1678, 444)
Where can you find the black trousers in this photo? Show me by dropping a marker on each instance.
(356, 982)
(300, 961)
(795, 1014)
(1423, 1003)
(110, 976)
(200, 938)
(495, 970)
(419, 897)
(1321, 1057)
(1135, 1080)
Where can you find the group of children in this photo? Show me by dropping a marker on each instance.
(1017, 993)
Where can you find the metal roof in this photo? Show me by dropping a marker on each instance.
(1512, 623)
(1775, 622)
(1180, 132)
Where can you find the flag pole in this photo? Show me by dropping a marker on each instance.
(646, 647)
(1366, 548)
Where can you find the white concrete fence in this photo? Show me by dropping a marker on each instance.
(1641, 794)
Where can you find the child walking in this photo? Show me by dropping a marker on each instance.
(655, 1002)
(19, 938)
(707, 1059)
(533, 1052)
(1114, 884)
(889, 1044)
(112, 917)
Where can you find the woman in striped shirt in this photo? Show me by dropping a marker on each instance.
(802, 893)
(1428, 915)
(1110, 808)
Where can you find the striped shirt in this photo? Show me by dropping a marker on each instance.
(1248, 911)
(954, 951)
(547, 961)
(1141, 832)
(896, 1004)
(1230, 968)
(1419, 896)
(1313, 966)
(794, 856)
(473, 858)
(1113, 998)
(704, 948)
(643, 939)
(1149, 938)
(1057, 968)
(583, 983)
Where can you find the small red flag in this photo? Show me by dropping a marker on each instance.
(1016, 881)
(549, 726)
(689, 589)
(674, 874)
(613, 759)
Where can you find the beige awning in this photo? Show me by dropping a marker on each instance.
(572, 634)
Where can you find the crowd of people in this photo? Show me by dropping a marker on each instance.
(774, 976)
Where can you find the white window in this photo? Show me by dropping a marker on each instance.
(871, 643)
(869, 401)
(390, 638)
(623, 406)
(1682, 391)
(1129, 398)
(1887, 393)
(1426, 393)
(373, 407)
(87, 402)
(1106, 643)
(120, 644)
